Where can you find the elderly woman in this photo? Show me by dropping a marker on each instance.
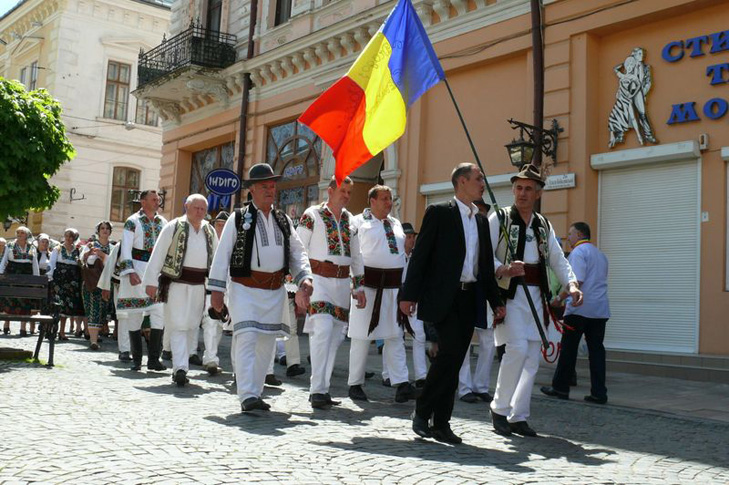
(3, 242)
(66, 275)
(43, 254)
(93, 257)
(19, 258)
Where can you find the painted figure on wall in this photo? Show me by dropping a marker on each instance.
(635, 82)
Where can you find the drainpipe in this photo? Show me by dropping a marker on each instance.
(247, 84)
(538, 63)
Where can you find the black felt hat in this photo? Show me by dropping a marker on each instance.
(260, 172)
(408, 228)
(222, 216)
(529, 172)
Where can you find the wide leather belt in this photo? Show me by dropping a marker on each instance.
(328, 269)
(380, 279)
(463, 286)
(192, 276)
(261, 280)
(532, 275)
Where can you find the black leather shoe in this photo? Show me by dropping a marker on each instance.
(356, 393)
(319, 401)
(155, 365)
(522, 428)
(470, 398)
(331, 401)
(595, 399)
(166, 355)
(484, 396)
(194, 360)
(282, 361)
(272, 381)
(263, 405)
(180, 378)
(551, 391)
(501, 425)
(446, 435)
(23, 333)
(420, 383)
(386, 382)
(295, 370)
(405, 392)
(368, 375)
(420, 427)
(250, 404)
(136, 366)
(125, 357)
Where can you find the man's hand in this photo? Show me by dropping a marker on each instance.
(407, 307)
(303, 296)
(433, 350)
(216, 300)
(576, 294)
(151, 291)
(499, 314)
(361, 298)
(516, 268)
(105, 294)
(134, 279)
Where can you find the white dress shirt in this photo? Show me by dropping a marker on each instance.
(470, 232)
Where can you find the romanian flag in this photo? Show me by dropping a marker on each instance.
(364, 112)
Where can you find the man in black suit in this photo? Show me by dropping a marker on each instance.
(452, 256)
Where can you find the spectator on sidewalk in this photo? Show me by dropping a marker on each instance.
(65, 272)
(591, 268)
(18, 258)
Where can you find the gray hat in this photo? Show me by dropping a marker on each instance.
(408, 228)
(260, 172)
(529, 172)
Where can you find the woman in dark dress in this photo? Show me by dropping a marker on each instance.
(19, 258)
(66, 275)
(93, 258)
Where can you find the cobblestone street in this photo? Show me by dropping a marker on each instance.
(90, 420)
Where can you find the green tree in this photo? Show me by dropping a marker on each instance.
(33, 146)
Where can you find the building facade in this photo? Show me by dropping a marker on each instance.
(84, 53)
(639, 89)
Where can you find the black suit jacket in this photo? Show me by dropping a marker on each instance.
(434, 270)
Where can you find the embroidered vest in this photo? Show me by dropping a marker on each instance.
(245, 225)
(172, 267)
(516, 229)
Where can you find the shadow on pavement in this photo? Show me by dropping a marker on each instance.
(268, 423)
(189, 391)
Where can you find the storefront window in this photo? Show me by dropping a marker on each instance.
(203, 162)
(294, 151)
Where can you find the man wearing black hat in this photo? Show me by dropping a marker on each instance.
(258, 247)
(452, 258)
(532, 238)
(213, 328)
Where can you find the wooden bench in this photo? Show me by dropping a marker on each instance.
(36, 288)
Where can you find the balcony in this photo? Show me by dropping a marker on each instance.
(195, 46)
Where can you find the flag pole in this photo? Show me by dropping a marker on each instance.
(512, 253)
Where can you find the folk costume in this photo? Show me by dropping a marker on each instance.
(535, 245)
(65, 271)
(254, 255)
(477, 383)
(379, 274)
(110, 280)
(138, 239)
(179, 264)
(331, 244)
(18, 260)
(95, 307)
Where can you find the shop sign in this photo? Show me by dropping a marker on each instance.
(222, 181)
(718, 74)
(561, 181)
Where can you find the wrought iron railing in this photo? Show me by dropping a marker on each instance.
(195, 46)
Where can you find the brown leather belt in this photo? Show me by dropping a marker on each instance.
(380, 279)
(261, 280)
(192, 276)
(532, 275)
(328, 269)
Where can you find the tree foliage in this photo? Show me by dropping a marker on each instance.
(33, 147)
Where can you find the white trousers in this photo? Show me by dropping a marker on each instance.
(325, 337)
(122, 328)
(253, 351)
(480, 380)
(212, 333)
(519, 365)
(420, 366)
(393, 353)
(156, 318)
(183, 344)
(166, 342)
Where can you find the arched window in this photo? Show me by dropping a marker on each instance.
(294, 151)
(123, 180)
(203, 162)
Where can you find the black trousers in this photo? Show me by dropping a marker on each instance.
(454, 338)
(594, 331)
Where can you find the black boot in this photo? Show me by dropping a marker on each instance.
(135, 342)
(154, 349)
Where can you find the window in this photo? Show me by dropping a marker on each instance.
(145, 114)
(283, 12)
(124, 180)
(117, 91)
(24, 76)
(215, 8)
(221, 156)
(294, 151)
(33, 76)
